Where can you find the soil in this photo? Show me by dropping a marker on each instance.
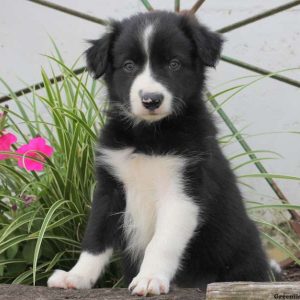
(291, 273)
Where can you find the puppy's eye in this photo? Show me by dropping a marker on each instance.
(174, 65)
(129, 66)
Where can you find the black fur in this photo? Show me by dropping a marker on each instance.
(226, 244)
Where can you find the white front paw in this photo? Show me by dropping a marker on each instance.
(57, 279)
(68, 280)
(145, 285)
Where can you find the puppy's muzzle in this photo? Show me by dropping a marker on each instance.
(151, 101)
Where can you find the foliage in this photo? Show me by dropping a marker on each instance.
(36, 236)
(44, 232)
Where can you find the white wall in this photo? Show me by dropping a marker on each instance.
(272, 43)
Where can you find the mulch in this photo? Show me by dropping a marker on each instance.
(291, 273)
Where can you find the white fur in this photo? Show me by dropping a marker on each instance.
(146, 83)
(143, 286)
(159, 219)
(148, 30)
(275, 266)
(84, 274)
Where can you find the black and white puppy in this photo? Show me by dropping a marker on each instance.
(166, 195)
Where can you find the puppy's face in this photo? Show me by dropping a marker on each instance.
(154, 63)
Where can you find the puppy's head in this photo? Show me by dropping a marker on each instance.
(154, 63)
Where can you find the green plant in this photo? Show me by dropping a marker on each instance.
(38, 237)
(46, 234)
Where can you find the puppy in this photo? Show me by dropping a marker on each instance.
(165, 194)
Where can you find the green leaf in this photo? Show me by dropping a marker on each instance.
(16, 224)
(275, 206)
(71, 162)
(28, 252)
(15, 269)
(11, 261)
(21, 278)
(147, 4)
(42, 231)
(12, 251)
(55, 260)
(1, 270)
(282, 248)
(269, 175)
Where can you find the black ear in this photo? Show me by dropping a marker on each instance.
(208, 44)
(97, 56)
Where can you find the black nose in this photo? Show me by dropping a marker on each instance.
(151, 101)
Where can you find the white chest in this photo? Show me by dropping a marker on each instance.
(148, 180)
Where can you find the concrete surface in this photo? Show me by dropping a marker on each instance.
(25, 292)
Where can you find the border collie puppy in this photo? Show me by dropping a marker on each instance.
(165, 194)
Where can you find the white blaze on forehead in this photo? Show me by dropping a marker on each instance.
(146, 38)
(145, 82)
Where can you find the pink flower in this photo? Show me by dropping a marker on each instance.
(6, 140)
(34, 148)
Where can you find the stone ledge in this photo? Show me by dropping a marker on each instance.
(220, 290)
(253, 290)
(25, 292)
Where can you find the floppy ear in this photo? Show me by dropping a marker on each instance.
(97, 56)
(208, 44)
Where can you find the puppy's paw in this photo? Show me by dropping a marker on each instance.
(57, 279)
(76, 281)
(149, 285)
(68, 280)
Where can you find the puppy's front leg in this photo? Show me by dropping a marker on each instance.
(176, 221)
(84, 274)
(99, 239)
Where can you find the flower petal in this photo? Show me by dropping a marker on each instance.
(47, 150)
(6, 141)
(30, 165)
(33, 148)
